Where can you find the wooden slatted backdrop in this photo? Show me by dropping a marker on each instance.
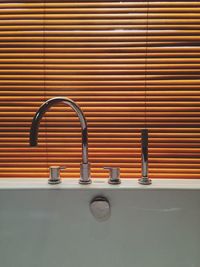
(128, 64)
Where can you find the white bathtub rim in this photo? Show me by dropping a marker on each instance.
(129, 184)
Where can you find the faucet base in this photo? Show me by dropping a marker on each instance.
(50, 181)
(85, 182)
(145, 180)
(85, 174)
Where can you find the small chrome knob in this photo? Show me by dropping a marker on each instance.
(114, 175)
(54, 174)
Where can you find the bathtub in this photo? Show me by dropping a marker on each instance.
(52, 226)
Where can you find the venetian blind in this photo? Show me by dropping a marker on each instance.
(128, 64)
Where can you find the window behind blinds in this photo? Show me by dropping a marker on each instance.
(128, 64)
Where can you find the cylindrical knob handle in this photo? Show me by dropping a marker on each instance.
(54, 174)
(114, 175)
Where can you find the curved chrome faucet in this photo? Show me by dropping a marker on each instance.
(85, 166)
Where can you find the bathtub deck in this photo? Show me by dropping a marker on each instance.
(42, 183)
(48, 226)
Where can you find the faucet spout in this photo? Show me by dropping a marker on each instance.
(85, 167)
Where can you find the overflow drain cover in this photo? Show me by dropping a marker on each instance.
(100, 208)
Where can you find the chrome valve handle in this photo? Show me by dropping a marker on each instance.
(114, 175)
(54, 174)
